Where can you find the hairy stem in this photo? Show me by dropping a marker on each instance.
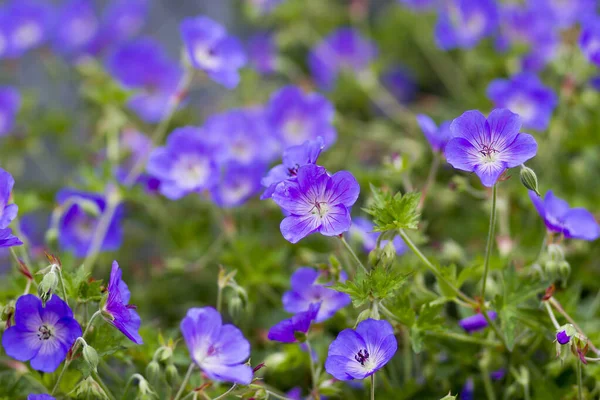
(353, 254)
(185, 381)
(490, 242)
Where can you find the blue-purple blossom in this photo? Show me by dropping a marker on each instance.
(123, 315)
(219, 350)
(400, 82)
(476, 322)
(562, 337)
(144, 66)
(306, 291)
(287, 330)
(489, 147)
(40, 397)
(589, 41)
(8, 212)
(212, 50)
(357, 354)
(498, 374)
(10, 102)
(76, 28)
(362, 230)
(573, 223)
(296, 116)
(525, 95)
(565, 13)
(123, 19)
(41, 334)
(27, 25)
(34, 226)
(468, 390)
(262, 53)
(293, 158)
(463, 23)
(420, 5)
(238, 183)
(316, 202)
(437, 137)
(343, 50)
(185, 165)
(79, 219)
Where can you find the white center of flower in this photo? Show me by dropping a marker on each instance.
(241, 149)
(593, 46)
(321, 209)
(234, 193)
(488, 154)
(294, 130)
(364, 359)
(27, 34)
(523, 107)
(190, 171)
(475, 24)
(81, 31)
(206, 57)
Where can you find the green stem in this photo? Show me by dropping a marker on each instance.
(490, 242)
(104, 387)
(435, 164)
(231, 389)
(353, 254)
(373, 387)
(487, 384)
(464, 338)
(313, 372)
(434, 269)
(407, 356)
(579, 381)
(551, 315)
(277, 396)
(493, 326)
(62, 283)
(219, 298)
(185, 381)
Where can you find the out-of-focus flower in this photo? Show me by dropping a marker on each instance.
(123, 19)
(40, 397)
(573, 223)
(566, 13)
(489, 147)
(296, 117)
(463, 23)
(400, 82)
(468, 390)
(27, 25)
(219, 350)
(357, 354)
(525, 95)
(77, 26)
(305, 291)
(476, 322)
(287, 331)
(42, 335)
(10, 102)
(437, 137)
(212, 50)
(143, 65)
(344, 49)
(262, 53)
(123, 315)
(238, 183)
(498, 374)
(33, 226)
(362, 229)
(79, 220)
(589, 41)
(316, 202)
(8, 212)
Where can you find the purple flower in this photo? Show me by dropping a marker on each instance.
(40, 397)
(76, 28)
(185, 165)
(219, 350)
(42, 335)
(498, 374)
(488, 147)
(212, 50)
(562, 337)
(143, 65)
(238, 183)
(27, 25)
(589, 41)
(437, 137)
(123, 315)
(357, 354)
(305, 292)
(420, 5)
(262, 53)
(463, 23)
(33, 226)
(293, 158)
(401, 83)
(362, 229)
(573, 223)
(525, 95)
(287, 330)
(476, 322)
(296, 117)
(566, 13)
(10, 102)
(595, 82)
(344, 49)
(316, 202)
(8, 212)
(294, 393)
(468, 390)
(123, 19)
(79, 220)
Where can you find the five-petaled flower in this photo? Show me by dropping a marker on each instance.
(489, 147)
(289, 330)
(219, 350)
(42, 335)
(121, 314)
(357, 354)
(316, 202)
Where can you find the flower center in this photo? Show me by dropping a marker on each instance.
(207, 57)
(294, 129)
(27, 34)
(488, 153)
(44, 333)
(321, 209)
(362, 356)
(190, 172)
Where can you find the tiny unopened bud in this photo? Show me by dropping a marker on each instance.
(258, 367)
(564, 269)
(529, 179)
(144, 390)
(153, 371)
(172, 375)
(7, 312)
(47, 286)
(235, 307)
(164, 353)
(90, 355)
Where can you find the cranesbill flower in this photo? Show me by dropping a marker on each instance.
(296, 117)
(238, 183)
(525, 95)
(212, 50)
(362, 229)
(34, 226)
(400, 82)
(8, 212)
(293, 158)
(27, 24)
(357, 354)
(123, 19)
(288, 330)
(144, 66)
(573, 223)
(42, 335)
(117, 311)
(79, 220)
(40, 397)
(437, 137)
(463, 23)
(262, 53)
(589, 41)
(489, 147)
(468, 390)
(476, 322)
(185, 165)
(316, 202)
(344, 49)
(10, 102)
(562, 337)
(76, 28)
(219, 350)
(306, 291)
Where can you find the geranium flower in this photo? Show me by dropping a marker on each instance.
(8, 212)
(476, 322)
(437, 137)
(287, 330)
(463, 23)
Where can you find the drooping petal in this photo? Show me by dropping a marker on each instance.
(556, 208)
(489, 172)
(504, 128)
(471, 126)
(9, 213)
(129, 322)
(20, 344)
(240, 373)
(336, 221)
(294, 302)
(343, 189)
(538, 203)
(294, 228)
(461, 154)
(523, 148)
(579, 223)
(331, 303)
(344, 368)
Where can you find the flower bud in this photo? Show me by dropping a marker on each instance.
(172, 375)
(529, 179)
(7, 312)
(48, 286)
(235, 307)
(164, 353)
(153, 371)
(90, 355)
(565, 333)
(144, 390)
(89, 388)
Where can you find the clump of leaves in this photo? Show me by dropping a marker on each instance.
(379, 284)
(393, 212)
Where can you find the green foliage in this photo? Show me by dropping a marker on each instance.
(394, 212)
(379, 284)
(81, 287)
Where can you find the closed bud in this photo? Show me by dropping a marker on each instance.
(164, 354)
(89, 389)
(90, 355)
(172, 375)
(564, 269)
(389, 253)
(153, 371)
(235, 307)
(7, 312)
(145, 391)
(48, 286)
(365, 314)
(529, 179)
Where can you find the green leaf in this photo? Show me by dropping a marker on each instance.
(394, 212)
(379, 284)
(80, 287)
